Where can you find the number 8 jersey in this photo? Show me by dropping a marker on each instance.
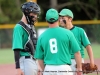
(55, 45)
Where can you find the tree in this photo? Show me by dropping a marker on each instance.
(87, 6)
(82, 9)
(3, 17)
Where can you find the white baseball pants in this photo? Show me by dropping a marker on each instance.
(57, 70)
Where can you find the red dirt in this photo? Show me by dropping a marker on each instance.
(96, 61)
(9, 69)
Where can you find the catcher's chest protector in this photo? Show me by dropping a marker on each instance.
(32, 39)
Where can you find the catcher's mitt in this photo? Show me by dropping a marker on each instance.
(86, 68)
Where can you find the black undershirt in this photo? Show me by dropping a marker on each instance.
(17, 57)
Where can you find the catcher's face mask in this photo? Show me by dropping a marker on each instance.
(30, 10)
(33, 17)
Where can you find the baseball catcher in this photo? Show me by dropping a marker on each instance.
(24, 40)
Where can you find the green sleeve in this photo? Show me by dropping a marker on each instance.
(17, 38)
(39, 54)
(84, 38)
(74, 45)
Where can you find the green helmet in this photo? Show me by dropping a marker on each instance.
(66, 12)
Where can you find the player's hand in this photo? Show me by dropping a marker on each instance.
(19, 72)
(79, 71)
(40, 71)
(92, 65)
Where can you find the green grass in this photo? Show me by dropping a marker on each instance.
(96, 51)
(6, 56)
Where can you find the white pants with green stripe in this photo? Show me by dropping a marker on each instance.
(28, 66)
(57, 70)
(73, 65)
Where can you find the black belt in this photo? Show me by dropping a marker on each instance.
(27, 57)
(69, 64)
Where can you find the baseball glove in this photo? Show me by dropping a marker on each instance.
(86, 68)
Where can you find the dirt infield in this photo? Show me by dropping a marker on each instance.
(9, 69)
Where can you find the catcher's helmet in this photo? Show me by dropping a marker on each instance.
(30, 7)
(66, 12)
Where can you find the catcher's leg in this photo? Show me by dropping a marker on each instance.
(28, 65)
(73, 65)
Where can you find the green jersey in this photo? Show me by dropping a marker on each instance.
(54, 46)
(81, 38)
(20, 37)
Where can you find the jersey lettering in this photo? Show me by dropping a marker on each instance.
(53, 45)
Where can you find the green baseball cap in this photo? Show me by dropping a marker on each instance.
(66, 12)
(52, 15)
